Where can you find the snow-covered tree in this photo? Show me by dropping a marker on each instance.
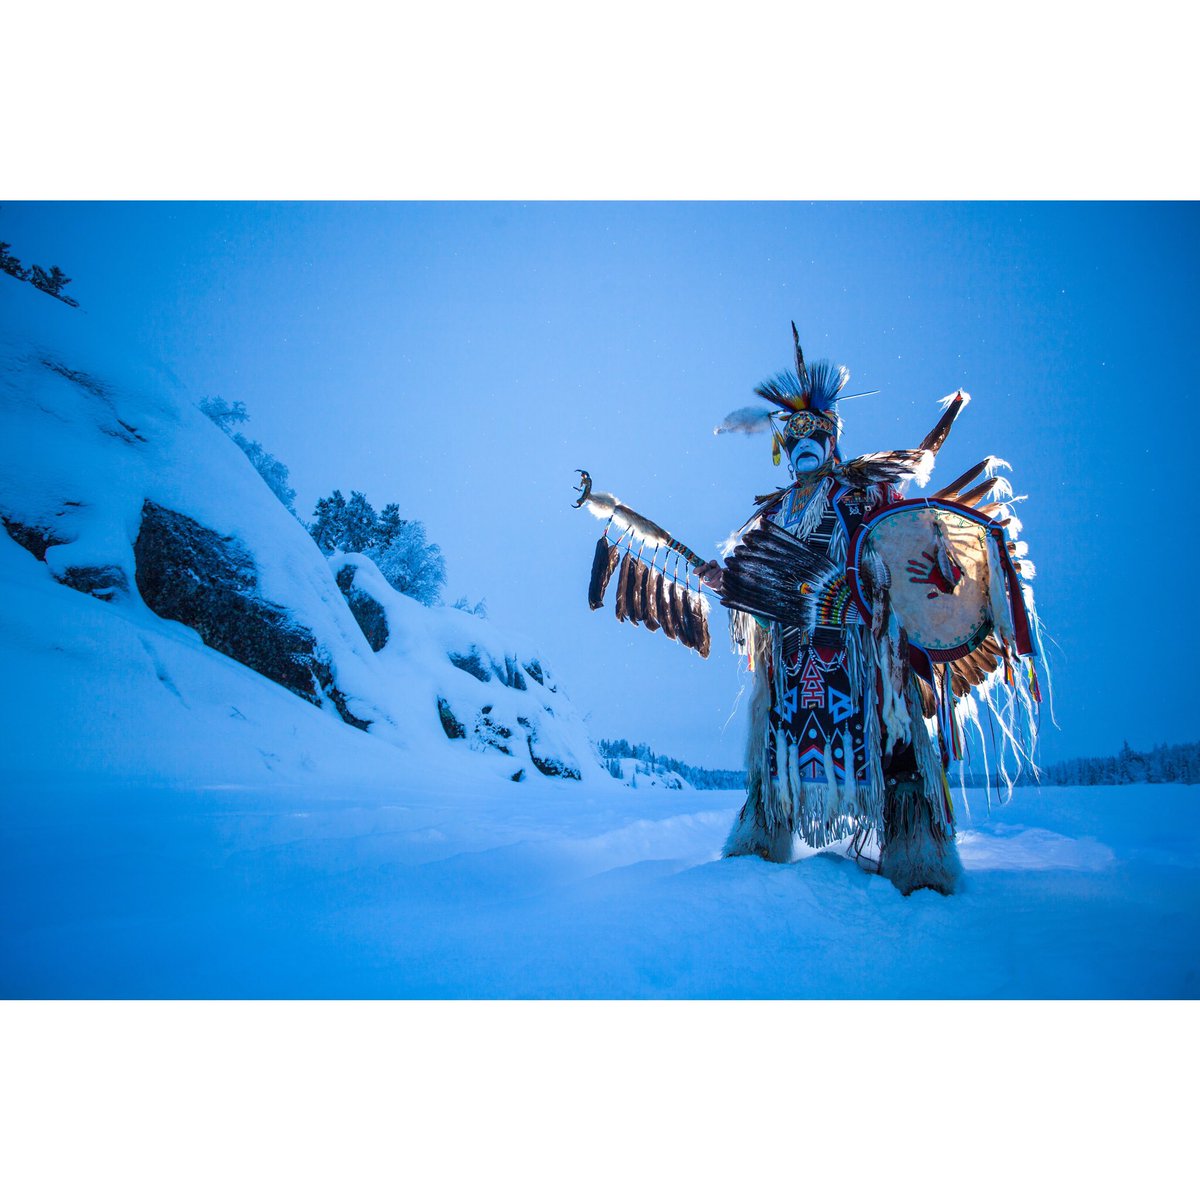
(478, 609)
(329, 521)
(400, 547)
(412, 564)
(390, 523)
(225, 414)
(359, 525)
(271, 469)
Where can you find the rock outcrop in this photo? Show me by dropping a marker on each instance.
(208, 582)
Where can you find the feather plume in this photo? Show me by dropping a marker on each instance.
(952, 405)
(1009, 519)
(783, 389)
(601, 505)
(750, 419)
(952, 489)
(825, 380)
(997, 490)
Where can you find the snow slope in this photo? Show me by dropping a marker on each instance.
(90, 431)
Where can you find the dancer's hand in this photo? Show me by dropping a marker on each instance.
(712, 575)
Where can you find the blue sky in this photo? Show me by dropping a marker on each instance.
(464, 359)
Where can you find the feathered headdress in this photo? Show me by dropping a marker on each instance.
(804, 400)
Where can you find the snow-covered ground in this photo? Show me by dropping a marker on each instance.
(404, 887)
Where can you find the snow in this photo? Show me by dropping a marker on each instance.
(91, 430)
(333, 887)
(174, 825)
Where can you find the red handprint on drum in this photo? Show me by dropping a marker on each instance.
(927, 569)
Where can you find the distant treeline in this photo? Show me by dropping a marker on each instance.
(1163, 764)
(699, 777)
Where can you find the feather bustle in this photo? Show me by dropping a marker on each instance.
(886, 466)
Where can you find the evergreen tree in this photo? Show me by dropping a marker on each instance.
(390, 524)
(10, 264)
(399, 547)
(359, 525)
(412, 564)
(329, 522)
(51, 282)
(478, 609)
(274, 473)
(224, 413)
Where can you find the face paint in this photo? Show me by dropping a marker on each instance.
(809, 454)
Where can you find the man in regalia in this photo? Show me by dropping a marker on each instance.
(833, 751)
(875, 627)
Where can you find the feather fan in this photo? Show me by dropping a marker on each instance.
(776, 576)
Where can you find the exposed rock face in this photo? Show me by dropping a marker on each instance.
(453, 727)
(473, 663)
(368, 612)
(550, 759)
(102, 582)
(484, 667)
(35, 539)
(188, 573)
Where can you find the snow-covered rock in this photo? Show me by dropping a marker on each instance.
(114, 483)
(487, 691)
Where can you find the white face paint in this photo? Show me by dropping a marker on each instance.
(808, 455)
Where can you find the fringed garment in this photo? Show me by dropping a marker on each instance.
(834, 728)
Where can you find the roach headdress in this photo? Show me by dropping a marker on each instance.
(805, 400)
